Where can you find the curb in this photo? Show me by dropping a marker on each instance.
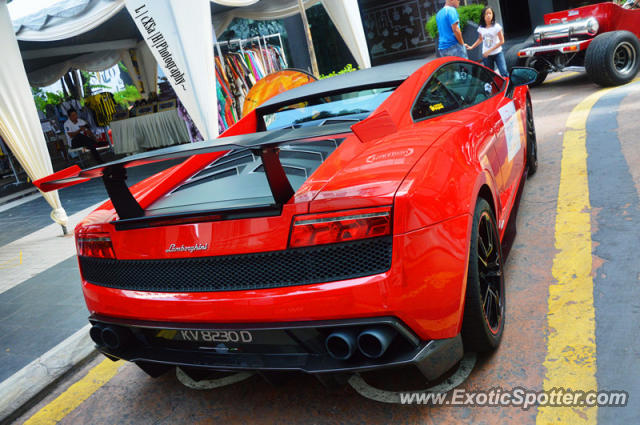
(17, 195)
(29, 385)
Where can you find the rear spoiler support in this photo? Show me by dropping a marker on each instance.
(115, 181)
(265, 144)
(278, 182)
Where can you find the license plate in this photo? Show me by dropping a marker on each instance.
(240, 337)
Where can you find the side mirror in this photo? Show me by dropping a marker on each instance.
(520, 76)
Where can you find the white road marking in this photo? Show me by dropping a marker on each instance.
(209, 384)
(461, 374)
(41, 250)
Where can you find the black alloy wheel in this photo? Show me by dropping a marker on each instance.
(532, 143)
(484, 313)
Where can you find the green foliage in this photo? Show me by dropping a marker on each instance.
(348, 68)
(42, 98)
(467, 13)
(127, 96)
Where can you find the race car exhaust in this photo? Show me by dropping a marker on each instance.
(114, 338)
(373, 342)
(341, 344)
(96, 334)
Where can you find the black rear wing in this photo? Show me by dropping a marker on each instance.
(265, 144)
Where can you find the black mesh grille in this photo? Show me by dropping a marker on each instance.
(291, 267)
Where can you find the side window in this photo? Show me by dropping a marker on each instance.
(436, 98)
(473, 84)
(455, 86)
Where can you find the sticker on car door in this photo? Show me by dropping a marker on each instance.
(512, 129)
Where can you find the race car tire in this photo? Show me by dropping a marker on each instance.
(612, 58)
(539, 65)
(532, 142)
(511, 56)
(484, 311)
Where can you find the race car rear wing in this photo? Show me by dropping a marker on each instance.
(265, 144)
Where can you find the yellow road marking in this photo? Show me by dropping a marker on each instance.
(571, 355)
(76, 394)
(7, 263)
(571, 347)
(562, 77)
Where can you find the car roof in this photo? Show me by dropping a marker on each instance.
(382, 75)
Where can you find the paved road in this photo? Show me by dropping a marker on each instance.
(40, 312)
(572, 301)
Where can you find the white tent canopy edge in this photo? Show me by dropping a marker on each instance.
(19, 124)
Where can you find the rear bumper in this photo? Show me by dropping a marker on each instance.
(296, 346)
(561, 48)
(424, 288)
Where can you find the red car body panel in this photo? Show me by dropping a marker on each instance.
(431, 172)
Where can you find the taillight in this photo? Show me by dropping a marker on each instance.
(342, 226)
(95, 245)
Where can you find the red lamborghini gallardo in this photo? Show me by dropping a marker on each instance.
(352, 224)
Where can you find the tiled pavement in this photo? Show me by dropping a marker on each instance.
(40, 307)
(38, 314)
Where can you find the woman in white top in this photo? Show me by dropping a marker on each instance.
(491, 36)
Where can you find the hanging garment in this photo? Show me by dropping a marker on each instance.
(103, 106)
(242, 70)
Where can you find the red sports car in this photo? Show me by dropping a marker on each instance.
(355, 223)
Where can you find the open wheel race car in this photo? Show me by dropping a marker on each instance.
(355, 223)
(601, 39)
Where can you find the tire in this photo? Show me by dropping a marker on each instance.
(484, 311)
(511, 54)
(511, 57)
(541, 66)
(532, 142)
(612, 58)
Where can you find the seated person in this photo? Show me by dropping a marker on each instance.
(80, 136)
(632, 4)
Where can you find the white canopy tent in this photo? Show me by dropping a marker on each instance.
(179, 38)
(19, 123)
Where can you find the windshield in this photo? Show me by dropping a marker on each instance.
(355, 106)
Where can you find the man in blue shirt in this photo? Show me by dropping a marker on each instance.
(450, 37)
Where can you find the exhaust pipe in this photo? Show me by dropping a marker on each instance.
(341, 344)
(114, 338)
(373, 342)
(96, 334)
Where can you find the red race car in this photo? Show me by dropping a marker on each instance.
(355, 223)
(601, 39)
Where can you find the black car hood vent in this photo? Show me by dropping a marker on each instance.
(236, 180)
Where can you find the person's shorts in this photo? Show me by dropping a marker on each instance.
(457, 50)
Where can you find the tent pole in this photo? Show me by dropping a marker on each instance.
(307, 30)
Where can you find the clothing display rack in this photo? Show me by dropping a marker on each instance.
(239, 67)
